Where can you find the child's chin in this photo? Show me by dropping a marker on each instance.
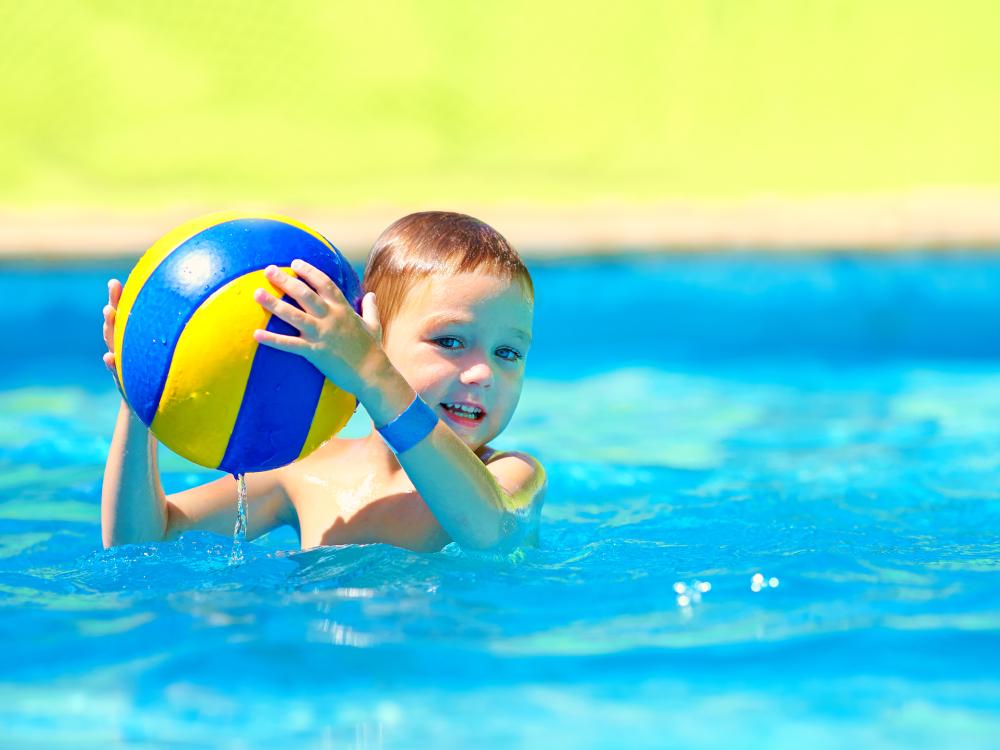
(471, 433)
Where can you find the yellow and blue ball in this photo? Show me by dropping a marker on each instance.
(187, 361)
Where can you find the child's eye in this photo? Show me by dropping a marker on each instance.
(448, 342)
(511, 355)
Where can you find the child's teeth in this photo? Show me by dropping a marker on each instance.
(470, 410)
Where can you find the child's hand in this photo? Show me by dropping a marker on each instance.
(110, 310)
(345, 347)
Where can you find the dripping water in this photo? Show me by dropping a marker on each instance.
(240, 530)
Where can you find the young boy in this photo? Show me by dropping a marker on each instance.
(437, 360)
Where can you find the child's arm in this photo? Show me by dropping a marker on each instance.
(473, 502)
(134, 508)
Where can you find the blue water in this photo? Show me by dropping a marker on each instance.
(830, 422)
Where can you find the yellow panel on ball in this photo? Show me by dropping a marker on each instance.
(334, 409)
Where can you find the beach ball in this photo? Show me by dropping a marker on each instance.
(187, 361)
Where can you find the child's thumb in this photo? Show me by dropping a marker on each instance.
(369, 314)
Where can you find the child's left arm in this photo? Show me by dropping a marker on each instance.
(476, 503)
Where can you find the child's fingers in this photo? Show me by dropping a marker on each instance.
(288, 313)
(114, 292)
(110, 311)
(109, 362)
(294, 344)
(319, 281)
(110, 314)
(109, 327)
(296, 289)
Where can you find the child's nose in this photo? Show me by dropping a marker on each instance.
(477, 373)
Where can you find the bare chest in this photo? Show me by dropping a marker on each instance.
(339, 503)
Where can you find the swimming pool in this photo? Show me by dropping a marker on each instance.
(830, 422)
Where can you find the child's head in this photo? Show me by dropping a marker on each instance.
(440, 243)
(455, 301)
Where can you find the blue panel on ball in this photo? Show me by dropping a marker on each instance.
(191, 273)
(277, 409)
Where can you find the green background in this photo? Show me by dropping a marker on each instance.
(140, 105)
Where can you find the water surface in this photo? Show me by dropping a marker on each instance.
(829, 422)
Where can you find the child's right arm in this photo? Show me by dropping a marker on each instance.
(134, 508)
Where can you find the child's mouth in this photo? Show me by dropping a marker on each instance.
(463, 414)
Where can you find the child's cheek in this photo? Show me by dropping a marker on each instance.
(428, 375)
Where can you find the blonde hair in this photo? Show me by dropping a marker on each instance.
(437, 242)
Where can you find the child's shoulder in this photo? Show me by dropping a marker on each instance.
(519, 473)
(490, 456)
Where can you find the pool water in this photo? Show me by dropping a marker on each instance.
(828, 424)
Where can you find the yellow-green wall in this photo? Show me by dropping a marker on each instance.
(139, 104)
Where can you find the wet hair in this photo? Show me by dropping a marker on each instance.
(433, 243)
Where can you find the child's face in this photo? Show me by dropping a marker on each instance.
(461, 341)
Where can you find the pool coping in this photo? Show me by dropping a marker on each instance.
(941, 219)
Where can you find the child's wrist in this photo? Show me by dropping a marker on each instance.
(385, 394)
(409, 428)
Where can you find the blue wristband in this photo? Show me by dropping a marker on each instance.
(415, 423)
